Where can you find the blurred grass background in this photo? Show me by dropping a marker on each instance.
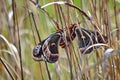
(18, 37)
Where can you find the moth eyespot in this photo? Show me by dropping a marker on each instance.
(83, 37)
(52, 44)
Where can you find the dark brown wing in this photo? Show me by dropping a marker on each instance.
(87, 38)
(50, 47)
(84, 39)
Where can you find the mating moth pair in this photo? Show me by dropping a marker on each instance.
(47, 50)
